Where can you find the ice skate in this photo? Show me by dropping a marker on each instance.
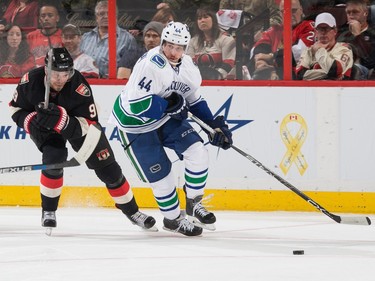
(143, 221)
(199, 215)
(182, 225)
(49, 221)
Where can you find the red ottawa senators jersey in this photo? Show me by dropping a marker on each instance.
(305, 32)
(76, 95)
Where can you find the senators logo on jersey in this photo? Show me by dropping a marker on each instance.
(83, 90)
(103, 154)
(24, 79)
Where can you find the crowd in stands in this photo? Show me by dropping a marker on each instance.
(231, 39)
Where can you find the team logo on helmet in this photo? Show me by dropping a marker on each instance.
(177, 33)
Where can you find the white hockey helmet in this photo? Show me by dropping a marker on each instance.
(176, 33)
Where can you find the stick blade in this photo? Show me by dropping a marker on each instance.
(355, 220)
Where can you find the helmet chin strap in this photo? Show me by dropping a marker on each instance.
(174, 64)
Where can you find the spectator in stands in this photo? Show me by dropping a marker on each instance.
(3, 7)
(95, 42)
(265, 72)
(270, 47)
(71, 39)
(41, 40)
(187, 9)
(137, 29)
(360, 35)
(326, 59)
(134, 15)
(189, 4)
(212, 49)
(3, 24)
(314, 7)
(255, 8)
(79, 10)
(15, 56)
(151, 37)
(164, 15)
(303, 33)
(23, 13)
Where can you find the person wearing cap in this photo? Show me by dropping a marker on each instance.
(326, 59)
(71, 39)
(151, 38)
(360, 35)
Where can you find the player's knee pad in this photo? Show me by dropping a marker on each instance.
(102, 156)
(54, 154)
(196, 157)
(111, 175)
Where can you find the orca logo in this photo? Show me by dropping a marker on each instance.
(158, 60)
(156, 168)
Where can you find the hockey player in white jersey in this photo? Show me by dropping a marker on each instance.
(151, 113)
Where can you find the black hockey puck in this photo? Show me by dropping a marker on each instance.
(298, 252)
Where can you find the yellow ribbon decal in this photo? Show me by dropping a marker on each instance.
(293, 144)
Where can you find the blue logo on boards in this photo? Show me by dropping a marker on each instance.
(234, 124)
(13, 132)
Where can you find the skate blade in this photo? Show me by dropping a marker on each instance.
(48, 231)
(170, 230)
(173, 231)
(179, 233)
(196, 222)
(151, 229)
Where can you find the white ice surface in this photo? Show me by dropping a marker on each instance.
(101, 244)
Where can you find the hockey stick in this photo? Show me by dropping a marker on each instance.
(48, 76)
(336, 218)
(87, 148)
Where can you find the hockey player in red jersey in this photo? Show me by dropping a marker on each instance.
(71, 109)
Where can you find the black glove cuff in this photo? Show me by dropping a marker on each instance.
(175, 101)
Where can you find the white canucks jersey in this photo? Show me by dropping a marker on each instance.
(154, 75)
